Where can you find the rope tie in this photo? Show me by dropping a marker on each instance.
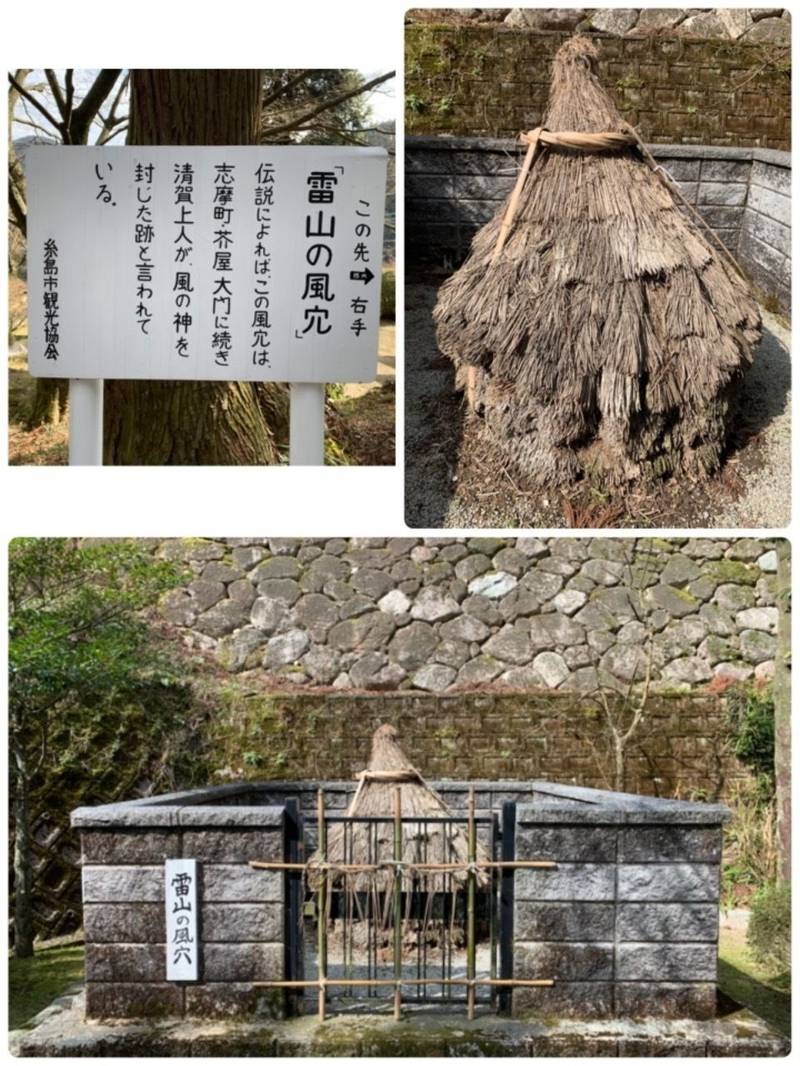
(608, 140)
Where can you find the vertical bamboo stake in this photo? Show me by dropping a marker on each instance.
(472, 854)
(398, 890)
(322, 908)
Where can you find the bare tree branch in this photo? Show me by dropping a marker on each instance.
(276, 94)
(334, 101)
(55, 89)
(23, 92)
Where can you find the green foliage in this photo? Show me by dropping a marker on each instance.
(415, 103)
(388, 295)
(751, 725)
(35, 982)
(769, 933)
(76, 631)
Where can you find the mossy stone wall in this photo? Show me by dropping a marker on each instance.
(493, 82)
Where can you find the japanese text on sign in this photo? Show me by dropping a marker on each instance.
(205, 263)
(180, 891)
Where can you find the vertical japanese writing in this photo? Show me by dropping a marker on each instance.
(320, 230)
(180, 877)
(104, 194)
(361, 230)
(264, 196)
(143, 236)
(222, 267)
(183, 187)
(50, 299)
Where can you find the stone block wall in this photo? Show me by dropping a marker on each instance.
(123, 849)
(451, 614)
(627, 923)
(489, 81)
(455, 185)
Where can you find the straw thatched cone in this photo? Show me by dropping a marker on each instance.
(610, 335)
(372, 844)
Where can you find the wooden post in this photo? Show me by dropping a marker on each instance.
(471, 855)
(322, 908)
(398, 899)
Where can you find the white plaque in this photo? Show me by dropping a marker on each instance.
(180, 889)
(248, 264)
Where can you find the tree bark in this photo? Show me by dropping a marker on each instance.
(49, 403)
(23, 866)
(782, 699)
(193, 422)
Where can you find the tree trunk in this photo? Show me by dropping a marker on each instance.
(49, 403)
(192, 422)
(23, 874)
(782, 698)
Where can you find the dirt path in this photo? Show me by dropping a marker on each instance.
(456, 476)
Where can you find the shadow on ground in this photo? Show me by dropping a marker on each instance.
(766, 1000)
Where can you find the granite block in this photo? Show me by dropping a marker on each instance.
(569, 881)
(678, 882)
(565, 962)
(668, 843)
(667, 921)
(563, 921)
(666, 962)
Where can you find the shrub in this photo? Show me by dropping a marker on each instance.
(387, 294)
(769, 930)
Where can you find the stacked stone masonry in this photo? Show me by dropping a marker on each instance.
(456, 184)
(241, 920)
(492, 81)
(448, 615)
(628, 922)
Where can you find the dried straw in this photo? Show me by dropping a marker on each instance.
(390, 769)
(608, 335)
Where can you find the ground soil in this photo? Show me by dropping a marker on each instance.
(360, 423)
(457, 477)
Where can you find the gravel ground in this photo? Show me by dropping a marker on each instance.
(456, 477)
(765, 500)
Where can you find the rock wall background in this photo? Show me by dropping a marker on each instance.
(455, 184)
(456, 614)
(697, 82)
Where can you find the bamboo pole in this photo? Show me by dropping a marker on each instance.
(390, 982)
(322, 909)
(471, 855)
(398, 899)
(365, 867)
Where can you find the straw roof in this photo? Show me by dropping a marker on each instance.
(389, 769)
(610, 334)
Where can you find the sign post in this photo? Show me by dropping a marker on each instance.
(204, 264)
(86, 422)
(180, 892)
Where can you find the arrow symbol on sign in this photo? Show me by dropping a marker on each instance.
(364, 275)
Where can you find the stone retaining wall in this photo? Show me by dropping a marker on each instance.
(452, 614)
(455, 185)
(123, 849)
(491, 81)
(628, 921)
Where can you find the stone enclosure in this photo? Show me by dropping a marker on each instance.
(442, 614)
(456, 184)
(626, 923)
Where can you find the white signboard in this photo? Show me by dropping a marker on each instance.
(180, 889)
(248, 264)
